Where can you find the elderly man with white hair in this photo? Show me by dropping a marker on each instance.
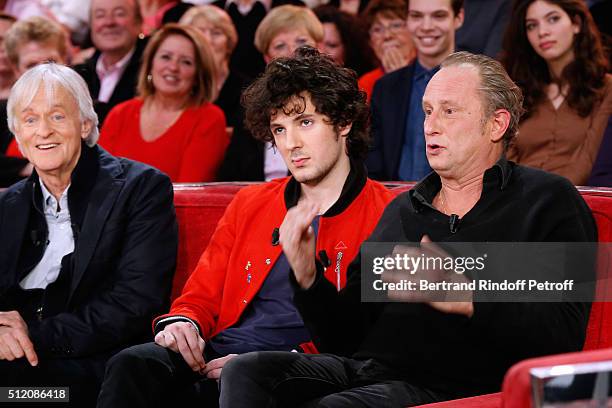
(89, 242)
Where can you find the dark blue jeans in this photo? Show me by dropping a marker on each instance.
(283, 379)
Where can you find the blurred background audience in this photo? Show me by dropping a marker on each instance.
(284, 29)
(553, 51)
(112, 71)
(218, 29)
(558, 51)
(172, 124)
(385, 21)
(341, 31)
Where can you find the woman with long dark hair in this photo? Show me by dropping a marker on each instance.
(553, 51)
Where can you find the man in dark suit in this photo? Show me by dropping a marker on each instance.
(398, 151)
(112, 72)
(89, 243)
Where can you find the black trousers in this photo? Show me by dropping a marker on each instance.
(283, 379)
(148, 375)
(82, 376)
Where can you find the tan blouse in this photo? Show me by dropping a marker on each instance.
(560, 141)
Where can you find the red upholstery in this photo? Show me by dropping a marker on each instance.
(199, 207)
(516, 389)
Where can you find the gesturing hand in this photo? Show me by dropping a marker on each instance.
(298, 241)
(183, 337)
(14, 339)
(457, 302)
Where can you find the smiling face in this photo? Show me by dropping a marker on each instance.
(286, 42)
(332, 43)
(458, 137)
(432, 25)
(114, 27)
(550, 31)
(312, 149)
(173, 69)
(49, 132)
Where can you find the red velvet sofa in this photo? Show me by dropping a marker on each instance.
(199, 207)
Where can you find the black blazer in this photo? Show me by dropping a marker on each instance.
(124, 258)
(126, 87)
(389, 106)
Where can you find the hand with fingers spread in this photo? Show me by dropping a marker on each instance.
(214, 367)
(447, 301)
(183, 338)
(14, 339)
(298, 241)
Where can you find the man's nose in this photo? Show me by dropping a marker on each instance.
(44, 129)
(430, 125)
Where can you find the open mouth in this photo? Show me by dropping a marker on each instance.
(433, 148)
(47, 146)
(428, 39)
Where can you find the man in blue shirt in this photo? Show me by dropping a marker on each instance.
(398, 151)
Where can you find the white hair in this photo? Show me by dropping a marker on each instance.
(51, 76)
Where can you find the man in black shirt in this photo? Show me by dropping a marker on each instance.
(405, 354)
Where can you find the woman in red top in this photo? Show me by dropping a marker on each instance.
(172, 125)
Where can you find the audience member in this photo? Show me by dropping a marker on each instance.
(385, 21)
(89, 243)
(286, 28)
(398, 152)
(7, 73)
(345, 40)
(238, 299)
(172, 124)
(34, 40)
(553, 51)
(111, 74)
(283, 30)
(217, 27)
(484, 26)
(409, 353)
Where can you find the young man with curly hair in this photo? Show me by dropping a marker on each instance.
(239, 297)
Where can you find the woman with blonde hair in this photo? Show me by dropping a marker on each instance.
(172, 124)
(218, 29)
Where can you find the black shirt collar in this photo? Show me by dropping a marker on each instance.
(353, 185)
(424, 192)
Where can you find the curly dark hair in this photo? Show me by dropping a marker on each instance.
(585, 75)
(352, 32)
(332, 89)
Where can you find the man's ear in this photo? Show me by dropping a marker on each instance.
(344, 131)
(499, 124)
(459, 18)
(86, 126)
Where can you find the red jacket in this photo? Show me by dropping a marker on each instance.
(240, 253)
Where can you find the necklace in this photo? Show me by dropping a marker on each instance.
(442, 201)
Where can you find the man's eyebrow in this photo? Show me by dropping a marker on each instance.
(54, 106)
(303, 116)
